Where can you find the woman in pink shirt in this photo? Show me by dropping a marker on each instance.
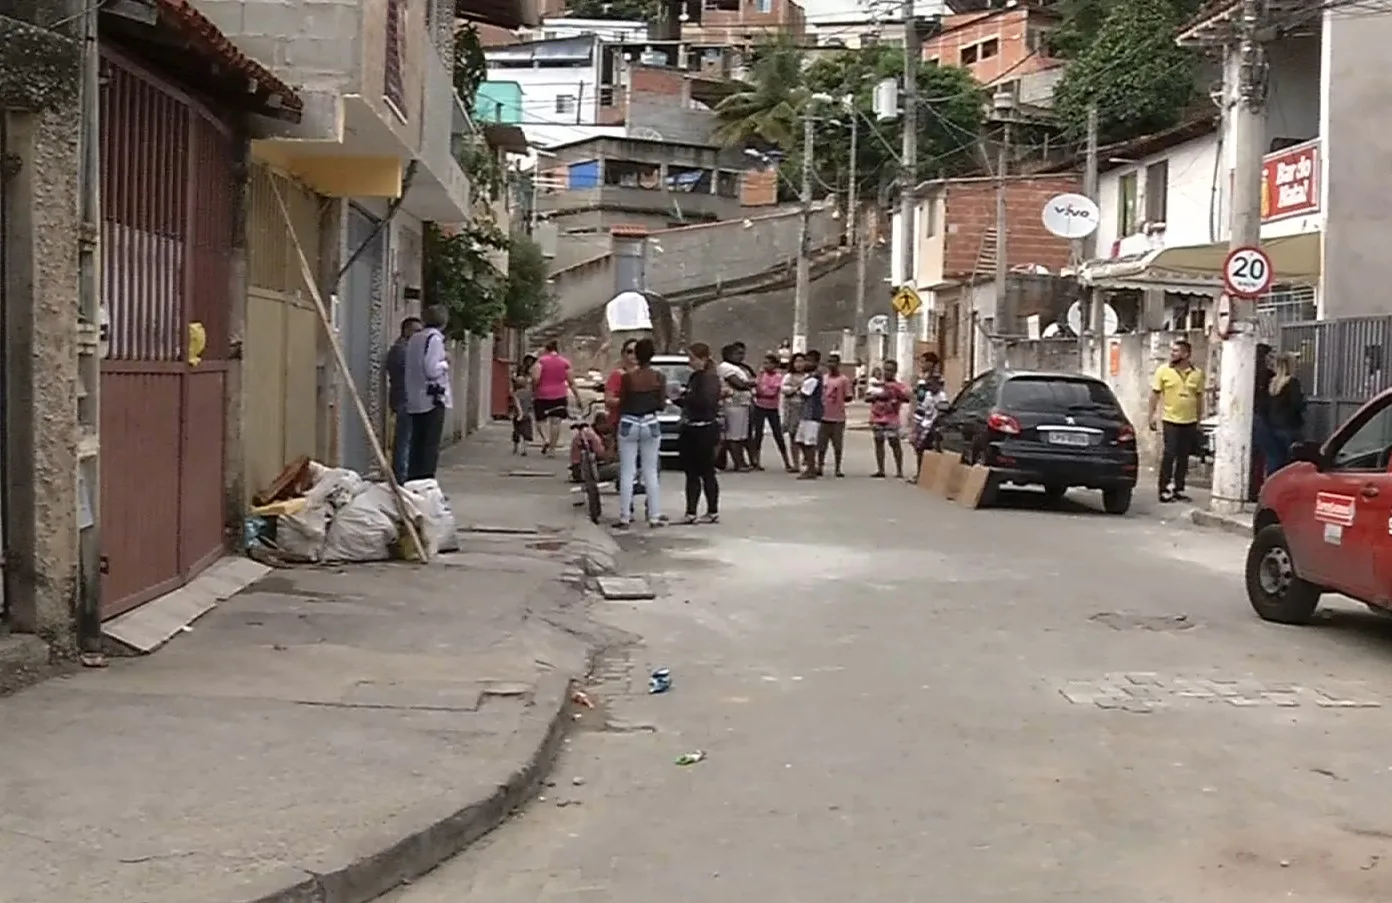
(551, 385)
(768, 391)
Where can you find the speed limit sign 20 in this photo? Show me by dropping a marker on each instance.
(1247, 272)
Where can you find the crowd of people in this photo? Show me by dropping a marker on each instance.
(731, 412)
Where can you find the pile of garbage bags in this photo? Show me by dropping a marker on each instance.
(335, 515)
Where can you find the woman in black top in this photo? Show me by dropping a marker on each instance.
(700, 435)
(1284, 413)
(642, 394)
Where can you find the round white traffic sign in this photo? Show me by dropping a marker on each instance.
(1247, 272)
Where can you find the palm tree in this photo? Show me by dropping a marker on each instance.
(768, 110)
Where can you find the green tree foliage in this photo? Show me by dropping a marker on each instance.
(768, 114)
(528, 299)
(765, 112)
(636, 10)
(1130, 67)
(951, 111)
(459, 261)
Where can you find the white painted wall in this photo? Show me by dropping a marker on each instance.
(1192, 195)
(616, 30)
(542, 121)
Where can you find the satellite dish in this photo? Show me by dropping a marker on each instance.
(1071, 216)
(1110, 321)
(878, 325)
(645, 133)
(1050, 331)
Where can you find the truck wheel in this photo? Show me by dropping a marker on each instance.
(1275, 590)
(1116, 501)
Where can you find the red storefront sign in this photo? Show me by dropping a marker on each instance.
(1290, 182)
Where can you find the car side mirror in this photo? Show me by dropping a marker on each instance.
(1306, 451)
(944, 407)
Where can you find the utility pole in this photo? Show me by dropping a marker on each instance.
(853, 236)
(804, 265)
(909, 180)
(1244, 89)
(89, 346)
(1090, 336)
(1002, 314)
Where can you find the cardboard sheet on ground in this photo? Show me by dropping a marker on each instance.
(947, 482)
(927, 474)
(974, 482)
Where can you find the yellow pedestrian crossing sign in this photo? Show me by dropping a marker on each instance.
(907, 302)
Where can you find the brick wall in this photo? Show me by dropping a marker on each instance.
(971, 209)
(1013, 57)
(759, 188)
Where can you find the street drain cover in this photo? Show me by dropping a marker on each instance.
(547, 545)
(1120, 620)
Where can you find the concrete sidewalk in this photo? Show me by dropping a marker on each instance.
(324, 734)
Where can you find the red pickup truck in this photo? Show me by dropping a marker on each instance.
(1324, 522)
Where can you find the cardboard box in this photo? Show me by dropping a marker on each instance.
(932, 462)
(947, 482)
(975, 479)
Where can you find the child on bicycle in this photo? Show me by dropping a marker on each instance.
(606, 464)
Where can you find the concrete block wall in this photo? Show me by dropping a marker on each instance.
(970, 210)
(695, 257)
(716, 253)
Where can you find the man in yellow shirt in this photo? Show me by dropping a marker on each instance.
(1176, 406)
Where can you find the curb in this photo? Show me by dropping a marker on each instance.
(1225, 522)
(596, 551)
(373, 873)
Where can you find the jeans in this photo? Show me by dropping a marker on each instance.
(639, 439)
(1179, 442)
(426, 431)
(698, 444)
(401, 445)
(1274, 444)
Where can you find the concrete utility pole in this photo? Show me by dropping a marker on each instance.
(804, 265)
(1244, 87)
(853, 233)
(912, 52)
(1090, 336)
(1002, 314)
(89, 344)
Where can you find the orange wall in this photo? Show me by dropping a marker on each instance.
(1008, 28)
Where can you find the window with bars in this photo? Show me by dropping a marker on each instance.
(394, 83)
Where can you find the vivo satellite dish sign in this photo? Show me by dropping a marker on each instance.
(1071, 216)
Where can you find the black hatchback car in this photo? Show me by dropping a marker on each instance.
(1055, 430)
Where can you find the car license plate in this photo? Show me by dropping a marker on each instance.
(1066, 437)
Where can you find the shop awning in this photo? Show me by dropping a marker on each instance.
(1198, 269)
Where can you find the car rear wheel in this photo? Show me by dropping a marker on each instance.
(1275, 590)
(1116, 501)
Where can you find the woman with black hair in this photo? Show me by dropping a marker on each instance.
(642, 394)
(700, 434)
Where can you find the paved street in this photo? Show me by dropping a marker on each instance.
(904, 700)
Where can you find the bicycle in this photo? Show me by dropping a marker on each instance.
(589, 468)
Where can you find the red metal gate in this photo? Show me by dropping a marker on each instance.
(167, 219)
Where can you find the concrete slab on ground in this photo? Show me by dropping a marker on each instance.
(321, 736)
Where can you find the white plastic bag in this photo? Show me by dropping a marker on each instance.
(439, 532)
(366, 527)
(334, 486)
(301, 536)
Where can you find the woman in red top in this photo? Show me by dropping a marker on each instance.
(768, 391)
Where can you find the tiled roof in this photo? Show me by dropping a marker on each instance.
(284, 103)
